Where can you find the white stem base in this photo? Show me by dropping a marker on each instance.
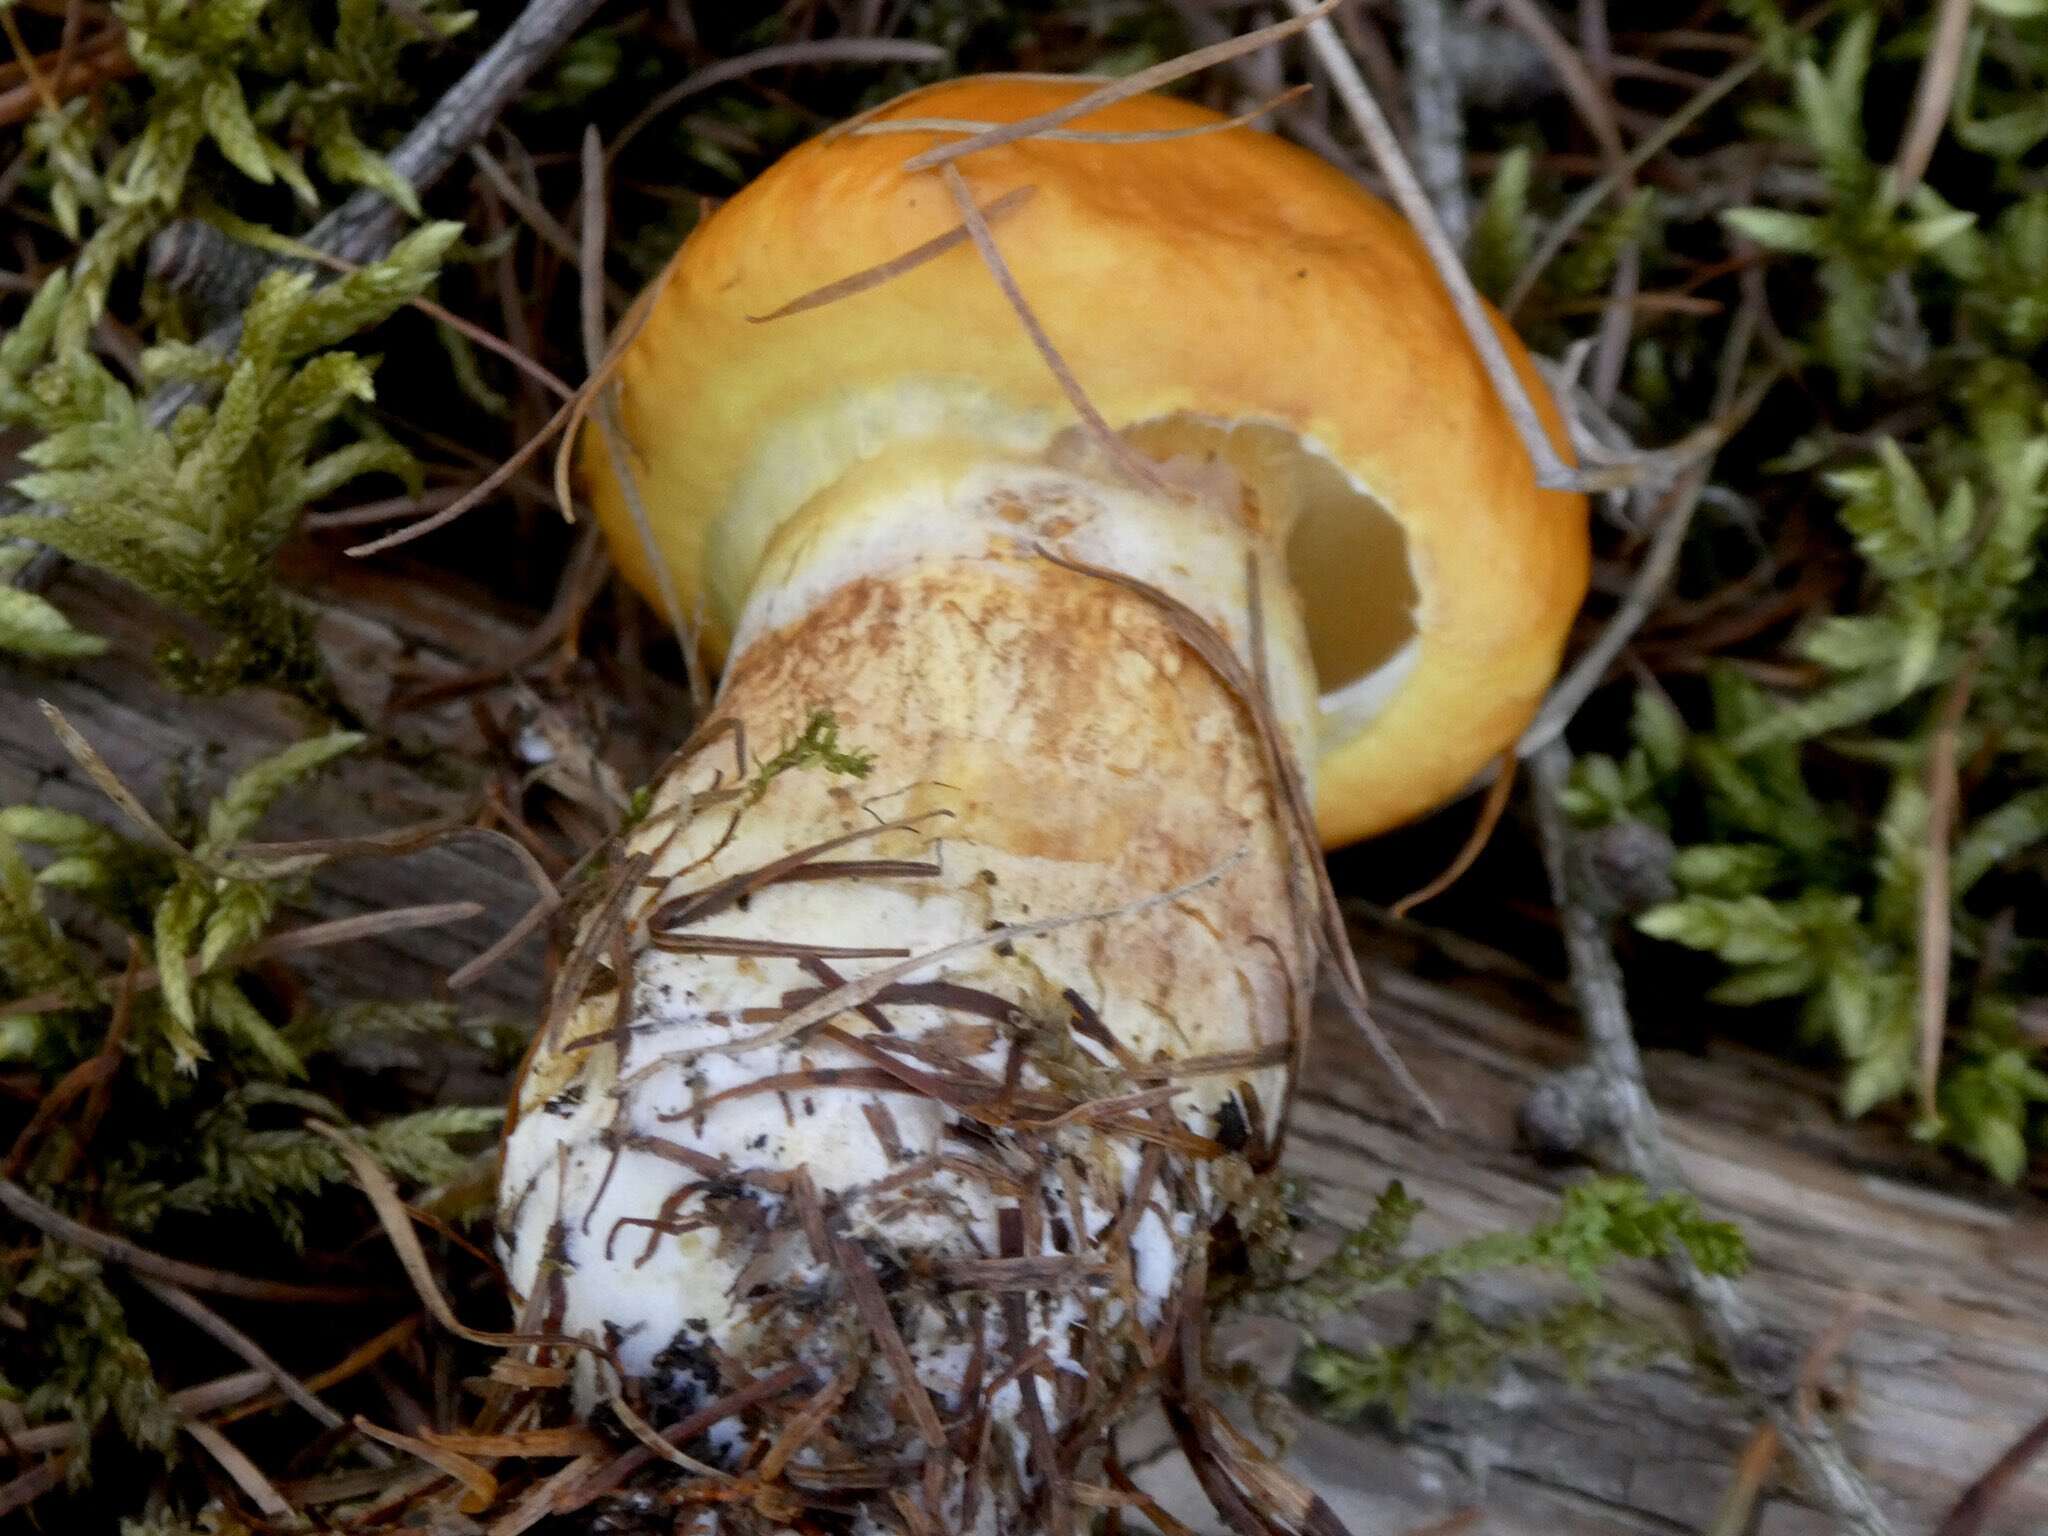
(1016, 1152)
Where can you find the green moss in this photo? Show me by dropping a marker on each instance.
(1802, 813)
(1600, 1223)
(816, 746)
(204, 1129)
(193, 510)
(1803, 899)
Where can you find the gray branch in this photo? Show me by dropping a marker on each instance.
(1607, 1097)
(1438, 112)
(366, 226)
(222, 272)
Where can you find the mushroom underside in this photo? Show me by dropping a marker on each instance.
(1347, 556)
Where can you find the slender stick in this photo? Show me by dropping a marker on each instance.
(322, 935)
(1638, 1141)
(1937, 931)
(813, 51)
(235, 1462)
(1975, 1506)
(190, 1307)
(1433, 101)
(1552, 471)
(1125, 87)
(207, 1397)
(33, 1484)
(611, 430)
(365, 226)
(1647, 587)
(1932, 94)
(1133, 464)
(198, 1277)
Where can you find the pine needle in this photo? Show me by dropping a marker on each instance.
(972, 126)
(1129, 460)
(1490, 813)
(870, 278)
(1124, 88)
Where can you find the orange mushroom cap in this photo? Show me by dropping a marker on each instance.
(1227, 290)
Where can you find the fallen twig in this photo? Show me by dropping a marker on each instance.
(197, 1277)
(353, 1364)
(1982, 1496)
(33, 1484)
(365, 226)
(339, 930)
(828, 50)
(1647, 149)
(1635, 1133)
(1133, 464)
(1937, 928)
(604, 397)
(1551, 469)
(481, 1487)
(207, 1397)
(1433, 103)
(1591, 97)
(1933, 93)
(105, 59)
(967, 125)
(1122, 89)
(896, 266)
(477, 494)
(1737, 1511)
(190, 1307)
(1474, 844)
(397, 1221)
(246, 1474)
(1654, 575)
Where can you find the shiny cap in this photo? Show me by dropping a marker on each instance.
(1225, 290)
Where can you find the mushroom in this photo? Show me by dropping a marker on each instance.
(952, 991)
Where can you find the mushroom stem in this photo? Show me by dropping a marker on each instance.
(966, 1203)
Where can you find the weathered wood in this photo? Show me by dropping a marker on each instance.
(1948, 1365)
(378, 632)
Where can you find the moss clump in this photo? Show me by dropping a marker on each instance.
(193, 511)
(1793, 758)
(1600, 1223)
(175, 1110)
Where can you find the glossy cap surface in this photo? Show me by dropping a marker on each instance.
(1228, 279)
